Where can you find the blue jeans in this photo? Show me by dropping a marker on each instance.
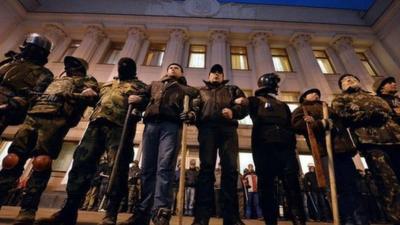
(253, 205)
(160, 147)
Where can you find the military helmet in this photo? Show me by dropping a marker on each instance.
(380, 82)
(37, 40)
(76, 63)
(308, 91)
(269, 82)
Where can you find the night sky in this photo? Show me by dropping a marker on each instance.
(341, 4)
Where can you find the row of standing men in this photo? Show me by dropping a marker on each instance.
(48, 108)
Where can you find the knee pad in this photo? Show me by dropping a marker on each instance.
(10, 161)
(41, 163)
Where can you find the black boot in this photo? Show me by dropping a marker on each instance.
(109, 219)
(162, 216)
(138, 218)
(62, 217)
(25, 217)
(68, 215)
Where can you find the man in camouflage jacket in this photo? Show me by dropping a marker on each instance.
(103, 134)
(375, 133)
(343, 149)
(163, 120)
(41, 135)
(20, 75)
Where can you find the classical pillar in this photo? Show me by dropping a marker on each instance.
(262, 53)
(92, 39)
(174, 50)
(351, 61)
(312, 73)
(218, 50)
(59, 39)
(131, 49)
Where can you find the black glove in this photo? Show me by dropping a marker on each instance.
(187, 117)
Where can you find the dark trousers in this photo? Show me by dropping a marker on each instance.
(100, 136)
(382, 168)
(211, 139)
(274, 160)
(351, 210)
(160, 149)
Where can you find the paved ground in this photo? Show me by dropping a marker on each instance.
(7, 215)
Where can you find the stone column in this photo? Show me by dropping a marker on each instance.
(59, 39)
(262, 53)
(351, 61)
(218, 50)
(93, 38)
(312, 73)
(174, 50)
(132, 46)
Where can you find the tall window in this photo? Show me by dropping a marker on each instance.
(290, 98)
(155, 55)
(367, 64)
(197, 56)
(239, 58)
(71, 48)
(324, 62)
(112, 54)
(281, 60)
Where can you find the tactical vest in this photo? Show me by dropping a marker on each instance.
(19, 75)
(113, 103)
(51, 101)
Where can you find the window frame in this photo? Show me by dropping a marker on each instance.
(74, 44)
(148, 52)
(363, 58)
(286, 55)
(327, 58)
(239, 54)
(190, 55)
(112, 47)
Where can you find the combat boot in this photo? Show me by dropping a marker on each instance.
(162, 216)
(25, 217)
(109, 219)
(62, 217)
(136, 219)
(297, 220)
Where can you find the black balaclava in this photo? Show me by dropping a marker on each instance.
(126, 68)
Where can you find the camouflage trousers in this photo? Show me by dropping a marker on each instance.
(385, 178)
(36, 136)
(100, 136)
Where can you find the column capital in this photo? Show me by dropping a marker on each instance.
(343, 43)
(95, 32)
(136, 33)
(259, 38)
(301, 40)
(178, 34)
(218, 35)
(54, 32)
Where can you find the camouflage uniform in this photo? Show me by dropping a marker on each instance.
(17, 79)
(103, 134)
(57, 110)
(374, 132)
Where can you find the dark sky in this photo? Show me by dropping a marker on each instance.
(341, 4)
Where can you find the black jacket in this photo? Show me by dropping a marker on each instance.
(271, 119)
(213, 98)
(166, 99)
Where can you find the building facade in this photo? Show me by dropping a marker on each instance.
(307, 47)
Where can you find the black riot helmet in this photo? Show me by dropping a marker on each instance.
(269, 82)
(36, 48)
(126, 68)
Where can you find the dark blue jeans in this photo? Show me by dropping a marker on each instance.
(160, 146)
(253, 205)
